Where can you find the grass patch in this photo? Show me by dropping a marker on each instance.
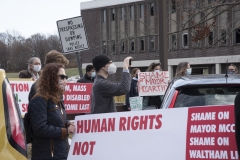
(69, 71)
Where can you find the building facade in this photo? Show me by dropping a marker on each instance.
(131, 28)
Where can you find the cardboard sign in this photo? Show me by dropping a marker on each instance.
(152, 83)
(21, 89)
(77, 98)
(206, 133)
(136, 103)
(72, 34)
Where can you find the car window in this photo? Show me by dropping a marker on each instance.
(205, 96)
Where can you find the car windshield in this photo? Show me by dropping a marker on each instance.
(205, 96)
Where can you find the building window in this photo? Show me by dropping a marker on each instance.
(122, 46)
(113, 46)
(132, 46)
(113, 14)
(131, 12)
(173, 42)
(152, 9)
(185, 40)
(122, 13)
(237, 34)
(104, 47)
(210, 38)
(151, 43)
(142, 44)
(104, 15)
(173, 6)
(141, 10)
(223, 37)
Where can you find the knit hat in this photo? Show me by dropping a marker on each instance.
(100, 61)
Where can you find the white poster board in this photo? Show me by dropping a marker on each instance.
(152, 83)
(72, 34)
(135, 103)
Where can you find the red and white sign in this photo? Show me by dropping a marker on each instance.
(77, 98)
(152, 83)
(21, 89)
(204, 133)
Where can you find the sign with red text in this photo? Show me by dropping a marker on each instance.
(152, 83)
(77, 98)
(21, 89)
(171, 134)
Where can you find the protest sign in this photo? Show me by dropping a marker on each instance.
(135, 103)
(21, 89)
(152, 83)
(72, 34)
(205, 133)
(77, 98)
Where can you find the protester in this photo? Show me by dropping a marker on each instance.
(52, 57)
(133, 88)
(50, 128)
(103, 89)
(152, 102)
(34, 67)
(237, 120)
(183, 69)
(232, 69)
(89, 75)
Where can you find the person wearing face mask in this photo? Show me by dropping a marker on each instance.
(152, 102)
(89, 76)
(34, 67)
(134, 87)
(49, 125)
(103, 89)
(183, 69)
(232, 69)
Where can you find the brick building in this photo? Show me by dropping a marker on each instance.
(121, 28)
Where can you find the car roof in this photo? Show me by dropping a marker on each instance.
(206, 80)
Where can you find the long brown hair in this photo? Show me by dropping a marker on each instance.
(134, 71)
(181, 69)
(47, 85)
(152, 66)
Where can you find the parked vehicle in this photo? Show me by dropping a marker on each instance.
(202, 90)
(12, 134)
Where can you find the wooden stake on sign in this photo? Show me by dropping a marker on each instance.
(79, 64)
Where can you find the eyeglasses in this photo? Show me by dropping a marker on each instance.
(62, 76)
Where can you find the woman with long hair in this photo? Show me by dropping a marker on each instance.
(50, 127)
(183, 69)
(153, 102)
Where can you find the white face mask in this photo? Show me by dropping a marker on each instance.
(93, 74)
(188, 71)
(61, 85)
(37, 68)
(112, 68)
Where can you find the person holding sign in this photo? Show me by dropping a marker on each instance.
(183, 69)
(134, 87)
(50, 127)
(152, 102)
(103, 89)
(34, 67)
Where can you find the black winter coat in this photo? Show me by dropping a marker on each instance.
(237, 120)
(86, 79)
(48, 121)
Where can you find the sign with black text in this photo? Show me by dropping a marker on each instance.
(72, 34)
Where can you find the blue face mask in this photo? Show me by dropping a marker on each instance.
(93, 74)
(188, 71)
(231, 72)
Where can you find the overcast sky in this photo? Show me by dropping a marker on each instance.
(36, 16)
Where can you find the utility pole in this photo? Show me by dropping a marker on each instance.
(163, 51)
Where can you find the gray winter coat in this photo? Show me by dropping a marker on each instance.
(104, 90)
